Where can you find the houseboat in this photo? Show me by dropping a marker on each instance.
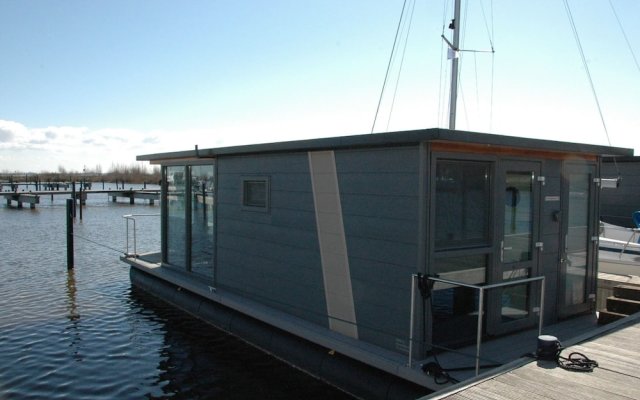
(356, 258)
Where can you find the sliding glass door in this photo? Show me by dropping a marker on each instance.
(189, 218)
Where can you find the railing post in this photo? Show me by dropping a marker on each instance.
(541, 307)
(126, 222)
(479, 333)
(135, 247)
(413, 302)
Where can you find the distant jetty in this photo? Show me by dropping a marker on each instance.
(33, 197)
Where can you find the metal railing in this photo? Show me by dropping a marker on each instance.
(482, 289)
(132, 217)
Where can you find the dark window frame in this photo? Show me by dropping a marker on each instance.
(249, 202)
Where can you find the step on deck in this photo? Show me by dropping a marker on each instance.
(628, 292)
(625, 301)
(605, 317)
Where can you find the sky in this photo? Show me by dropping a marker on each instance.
(92, 84)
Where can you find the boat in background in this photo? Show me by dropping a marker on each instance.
(619, 250)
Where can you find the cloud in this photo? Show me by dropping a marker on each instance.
(44, 149)
(10, 133)
(151, 140)
(6, 135)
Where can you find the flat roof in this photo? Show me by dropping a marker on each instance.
(393, 139)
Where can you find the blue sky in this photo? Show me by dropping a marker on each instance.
(87, 83)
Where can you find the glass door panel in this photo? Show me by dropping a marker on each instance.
(176, 218)
(518, 217)
(511, 307)
(578, 253)
(202, 219)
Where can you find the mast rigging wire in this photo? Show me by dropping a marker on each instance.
(386, 75)
(441, 90)
(633, 54)
(404, 51)
(493, 58)
(586, 67)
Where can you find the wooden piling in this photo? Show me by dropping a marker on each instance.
(73, 196)
(70, 206)
(81, 203)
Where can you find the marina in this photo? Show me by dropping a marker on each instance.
(413, 263)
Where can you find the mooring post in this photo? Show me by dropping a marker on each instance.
(80, 203)
(73, 196)
(70, 233)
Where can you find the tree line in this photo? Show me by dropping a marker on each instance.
(130, 173)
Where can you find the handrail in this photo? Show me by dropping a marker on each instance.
(481, 288)
(132, 217)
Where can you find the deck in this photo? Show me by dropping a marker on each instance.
(616, 348)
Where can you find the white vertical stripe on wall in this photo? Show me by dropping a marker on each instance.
(333, 244)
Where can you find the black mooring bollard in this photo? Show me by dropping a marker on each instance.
(70, 233)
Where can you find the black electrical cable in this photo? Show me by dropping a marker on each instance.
(577, 362)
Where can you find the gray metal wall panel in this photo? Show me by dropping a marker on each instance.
(379, 194)
(272, 256)
(378, 206)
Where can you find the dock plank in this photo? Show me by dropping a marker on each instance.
(603, 384)
(617, 376)
(524, 381)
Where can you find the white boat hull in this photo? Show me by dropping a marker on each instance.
(619, 250)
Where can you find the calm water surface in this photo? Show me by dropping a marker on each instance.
(87, 334)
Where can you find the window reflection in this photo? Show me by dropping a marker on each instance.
(202, 213)
(577, 240)
(455, 308)
(463, 196)
(518, 217)
(176, 215)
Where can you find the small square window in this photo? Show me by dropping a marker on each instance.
(255, 193)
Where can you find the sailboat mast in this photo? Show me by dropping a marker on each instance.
(455, 25)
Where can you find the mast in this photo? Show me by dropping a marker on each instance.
(454, 51)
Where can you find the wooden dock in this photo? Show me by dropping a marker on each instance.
(33, 197)
(616, 348)
(22, 198)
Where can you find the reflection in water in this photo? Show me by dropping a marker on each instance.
(74, 317)
(200, 361)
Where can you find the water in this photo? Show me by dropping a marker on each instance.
(87, 334)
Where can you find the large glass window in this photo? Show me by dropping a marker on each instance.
(176, 215)
(463, 198)
(202, 213)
